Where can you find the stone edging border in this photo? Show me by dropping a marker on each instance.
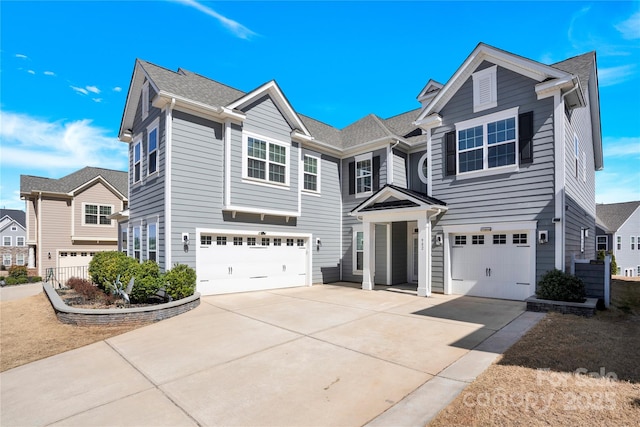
(587, 308)
(120, 316)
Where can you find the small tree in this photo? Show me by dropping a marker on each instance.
(557, 285)
(180, 281)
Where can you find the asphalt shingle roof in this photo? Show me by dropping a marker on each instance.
(613, 215)
(15, 214)
(118, 179)
(580, 66)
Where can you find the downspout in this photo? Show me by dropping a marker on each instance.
(167, 185)
(39, 240)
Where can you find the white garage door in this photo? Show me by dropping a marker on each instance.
(237, 263)
(74, 258)
(495, 265)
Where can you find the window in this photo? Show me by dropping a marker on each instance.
(6, 241)
(619, 242)
(205, 240)
(136, 161)
(266, 160)
(311, 173)
(97, 214)
(602, 243)
(251, 241)
(19, 259)
(20, 241)
(638, 247)
(237, 241)
(487, 142)
(289, 242)
(638, 271)
(576, 152)
(277, 242)
(83, 254)
(152, 242)
(499, 239)
(477, 240)
(124, 241)
(364, 174)
(6, 260)
(265, 241)
(14, 228)
(358, 255)
(633, 243)
(423, 169)
(520, 239)
(221, 240)
(460, 240)
(64, 254)
(73, 254)
(300, 242)
(485, 89)
(136, 243)
(152, 150)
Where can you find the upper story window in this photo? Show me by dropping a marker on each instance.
(618, 242)
(20, 241)
(97, 214)
(486, 142)
(485, 89)
(364, 174)
(602, 243)
(6, 241)
(633, 242)
(14, 228)
(152, 149)
(266, 160)
(311, 173)
(137, 147)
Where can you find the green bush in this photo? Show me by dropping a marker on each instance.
(557, 285)
(614, 264)
(105, 267)
(15, 280)
(180, 281)
(35, 279)
(148, 281)
(18, 271)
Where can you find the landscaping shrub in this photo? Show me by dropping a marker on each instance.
(105, 267)
(614, 264)
(180, 281)
(35, 279)
(18, 271)
(148, 281)
(84, 287)
(9, 281)
(559, 286)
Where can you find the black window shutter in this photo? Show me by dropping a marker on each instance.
(450, 146)
(376, 173)
(525, 137)
(352, 177)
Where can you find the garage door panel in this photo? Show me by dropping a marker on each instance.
(226, 268)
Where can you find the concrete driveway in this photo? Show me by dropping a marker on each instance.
(324, 355)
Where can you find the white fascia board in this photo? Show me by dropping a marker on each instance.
(232, 208)
(272, 89)
(376, 144)
(98, 178)
(428, 122)
(93, 239)
(131, 103)
(400, 214)
(548, 88)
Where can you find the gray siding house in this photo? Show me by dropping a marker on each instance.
(13, 237)
(618, 232)
(485, 186)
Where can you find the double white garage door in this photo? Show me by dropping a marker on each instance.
(228, 263)
(494, 265)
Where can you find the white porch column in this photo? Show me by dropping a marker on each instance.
(424, 256)
(368, 262)
(31, 260)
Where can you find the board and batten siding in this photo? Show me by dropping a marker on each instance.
(524, 195)
(264, 119)
(321, 217)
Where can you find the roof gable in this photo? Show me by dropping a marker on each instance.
(614, 215)
(15, 215)
(393, 197)
(76, 181)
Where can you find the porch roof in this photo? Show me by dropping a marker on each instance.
(402, 198)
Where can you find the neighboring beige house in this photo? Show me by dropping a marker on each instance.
(68, 218)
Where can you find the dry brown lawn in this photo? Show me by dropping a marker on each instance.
(29, 331)
(567, 370)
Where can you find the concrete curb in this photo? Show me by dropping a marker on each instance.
(121, 316)
(587, 308)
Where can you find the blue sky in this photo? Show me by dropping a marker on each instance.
(66, 66)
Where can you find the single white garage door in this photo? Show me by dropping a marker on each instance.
(494, 265)
(228, 263)
(75, 258)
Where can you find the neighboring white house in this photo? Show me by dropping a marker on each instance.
(618, 231)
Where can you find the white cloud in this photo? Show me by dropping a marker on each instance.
(235, 27)
(13, 202)
(117, 89)
(31, 72)
(93, 89)
(98, 100)
(80, 90)
(29, 141)
(49, 73)
(614, 75)
(630, 28)
(622, 147)
(19, 55)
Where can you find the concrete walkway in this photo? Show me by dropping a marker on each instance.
(11, 293)
(325, 355)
